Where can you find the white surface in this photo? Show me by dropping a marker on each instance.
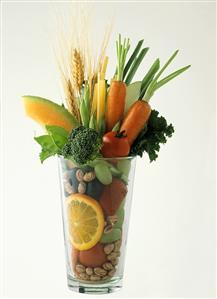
(171, 245)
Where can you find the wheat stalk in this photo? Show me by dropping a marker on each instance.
(70, 98)
(104, 46)
(77, 69)
(76, 60)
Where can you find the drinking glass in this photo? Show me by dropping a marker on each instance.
(108, 184)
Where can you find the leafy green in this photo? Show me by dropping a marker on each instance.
(48, 146)
(52, 143)
(83, 145)
(155, 132)
(52, 130)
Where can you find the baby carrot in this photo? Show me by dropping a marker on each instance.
(117, 92)
(135, 120)
(115, 104)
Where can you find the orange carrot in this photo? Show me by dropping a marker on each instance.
(135, 120)
(115, 104)
(117, 92)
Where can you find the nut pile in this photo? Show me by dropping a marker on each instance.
(82, 180)
(106, 271)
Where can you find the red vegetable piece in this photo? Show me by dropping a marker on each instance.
(115, 144)
(74, 256)
(112, 196)
(93, 257)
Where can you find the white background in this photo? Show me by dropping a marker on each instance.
(171, 246)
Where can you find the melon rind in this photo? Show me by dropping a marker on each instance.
(46, 112)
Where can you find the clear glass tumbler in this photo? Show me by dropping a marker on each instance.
(96, 204)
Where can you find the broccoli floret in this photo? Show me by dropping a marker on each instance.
(83, 145)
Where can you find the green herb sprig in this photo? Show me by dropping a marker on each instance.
(52, 143)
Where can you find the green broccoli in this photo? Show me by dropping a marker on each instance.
(83, 145)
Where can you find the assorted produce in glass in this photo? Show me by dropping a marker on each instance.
(96, 200)
(105, 124)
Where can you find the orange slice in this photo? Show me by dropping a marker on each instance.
(85, 221)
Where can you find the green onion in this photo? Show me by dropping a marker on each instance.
(150, 91)
(135, 65)
(155, 84)
(122, 50)
(132, 58)
(149, 77)
(166, 65)
(170, 77)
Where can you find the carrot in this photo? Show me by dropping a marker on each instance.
(117, 92)
(135, 120)
(115, 104)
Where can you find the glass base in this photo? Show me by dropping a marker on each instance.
(110, 286)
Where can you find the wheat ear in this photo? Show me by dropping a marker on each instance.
(77, 71)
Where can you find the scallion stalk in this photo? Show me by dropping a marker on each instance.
(122, 50)
(135, 66)
(149, 77)
(171, 76)
(156, 84)
(132, 58)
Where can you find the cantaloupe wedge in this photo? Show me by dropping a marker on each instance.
(46, 112)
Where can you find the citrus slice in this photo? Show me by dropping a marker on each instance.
(85, 220)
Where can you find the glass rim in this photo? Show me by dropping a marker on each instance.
(103, 158)
(117, 158)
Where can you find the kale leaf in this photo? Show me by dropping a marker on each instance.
(155, 132)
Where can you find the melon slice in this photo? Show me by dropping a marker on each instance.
(46, 112)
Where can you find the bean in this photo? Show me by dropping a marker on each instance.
(120, 214)
(103, 173)
(112, 236)
(124, 166)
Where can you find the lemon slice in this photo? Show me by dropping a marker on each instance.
(85, 221)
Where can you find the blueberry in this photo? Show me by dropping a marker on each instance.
(73, 179)
(94, 189)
